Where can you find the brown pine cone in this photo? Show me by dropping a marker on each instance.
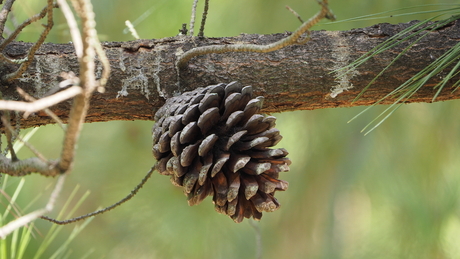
(212, 141)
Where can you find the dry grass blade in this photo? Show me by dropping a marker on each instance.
(26, 219)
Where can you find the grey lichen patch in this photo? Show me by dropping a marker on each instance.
(341, 54)
(140, 82)
(122, 63)
(39, 75)
(157, 69)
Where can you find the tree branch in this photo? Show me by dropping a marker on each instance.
(297, 77)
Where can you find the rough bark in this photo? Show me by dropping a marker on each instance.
(294, 78)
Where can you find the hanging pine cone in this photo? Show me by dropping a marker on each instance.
(212, 141)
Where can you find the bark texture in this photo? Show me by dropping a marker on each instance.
(297, 77)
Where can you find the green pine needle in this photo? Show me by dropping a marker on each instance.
(18, 245)
(406, 90)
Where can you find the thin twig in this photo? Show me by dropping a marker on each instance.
(27, 166)
(4, 15)
(24, 220)
(76, 37)
(256, 228)
(105, 65)
(294, 13)
(73, 27)
(9, 141)
(27, 144)
(87, 80)
(131, 29)
(37, 44)
(192, 17)
(125, 199)
(42, 103)
(29, 98)
(292, 39)
(203, 18)
(16, 32)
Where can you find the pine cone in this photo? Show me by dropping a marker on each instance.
(212, 141)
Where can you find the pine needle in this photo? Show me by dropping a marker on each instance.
(406, 90)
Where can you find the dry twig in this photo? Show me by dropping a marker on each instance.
(24, 65)
(87, 80)
(292, 39)
(42, 103)
(9, 140)
(203, 18)
(294, 13)
(29, 98)
(27, 144)
(4, 15)
(192, 17)
(125, 199)
(73, 27)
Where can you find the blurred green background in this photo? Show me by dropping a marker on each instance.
(391, 194)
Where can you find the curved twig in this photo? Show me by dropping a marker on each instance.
(292, 39)
(4, 14)
(42, 103)
(16, 74)
(97, 212)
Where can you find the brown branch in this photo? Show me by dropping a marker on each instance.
(298, 77)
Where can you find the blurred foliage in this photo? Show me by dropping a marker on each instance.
(391, 194)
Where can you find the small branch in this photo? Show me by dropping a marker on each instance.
(41, 103)
(203, 18)
(37, 44)
(24, 220)
(125, 199)
(32, 148)
(88, 83)
(105, 64)
(192, 17)
(16, 32)
(29, 98)
(131, 29)
(292, 39)
(4, 15)
(294, 13)
(9, 141)
(73, 27)
(27, 166)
